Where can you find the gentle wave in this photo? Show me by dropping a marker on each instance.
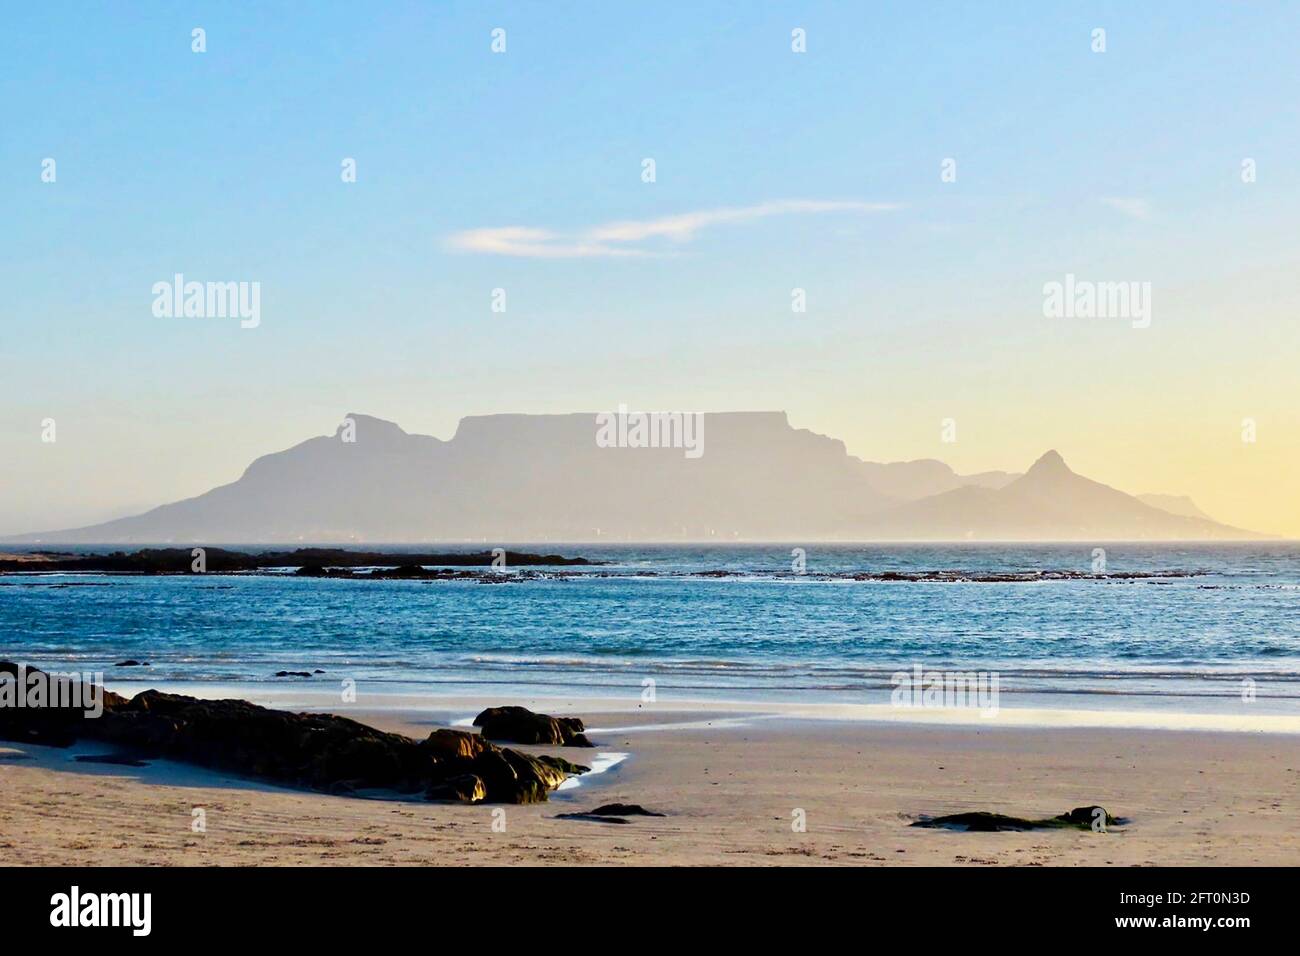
(667, 614)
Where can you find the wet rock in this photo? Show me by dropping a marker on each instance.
(612, 813)
(980, 821)
(131, 663)
(454, 744)
(625, 810)
(321, 751)
(521, 726)
(495, 771)
(1084, 816)
(121, 760)
(48, 726)
(292, 674)
(315, 562)
(532, 773)
(403, 571)
(559, 763)
(465, 788)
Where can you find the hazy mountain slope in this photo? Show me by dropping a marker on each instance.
(1048, 502)
(1174, 504)
(911, 480)
(521, 478)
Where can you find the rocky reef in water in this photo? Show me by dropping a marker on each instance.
(223, 561)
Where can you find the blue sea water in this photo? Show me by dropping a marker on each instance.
(1177, 642)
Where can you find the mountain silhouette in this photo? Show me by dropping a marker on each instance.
(1174, 504)
(520, 478)
(1049, 502)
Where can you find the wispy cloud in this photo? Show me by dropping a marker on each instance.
(636, 237)
(1132, 207)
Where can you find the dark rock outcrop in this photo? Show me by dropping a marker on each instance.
(321, 751)
(119, 760)
(464, 788)
(568, 766)
(625, 810)
(49, 725)
(521, 726)
(981, 821)
(1084, 817)
(310, 562)
(612, 813)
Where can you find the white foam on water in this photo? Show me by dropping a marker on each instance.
(601, 763)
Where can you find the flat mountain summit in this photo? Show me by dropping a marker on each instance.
(520, 478)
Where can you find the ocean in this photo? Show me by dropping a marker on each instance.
(1214, 629)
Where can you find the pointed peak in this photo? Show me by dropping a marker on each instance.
(1049, 463)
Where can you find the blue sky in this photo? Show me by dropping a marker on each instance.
(225, 165)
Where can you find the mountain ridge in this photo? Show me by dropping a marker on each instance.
(520, 478)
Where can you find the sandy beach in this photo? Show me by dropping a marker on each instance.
(732, 783)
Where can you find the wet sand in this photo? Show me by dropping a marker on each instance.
(734, 787)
